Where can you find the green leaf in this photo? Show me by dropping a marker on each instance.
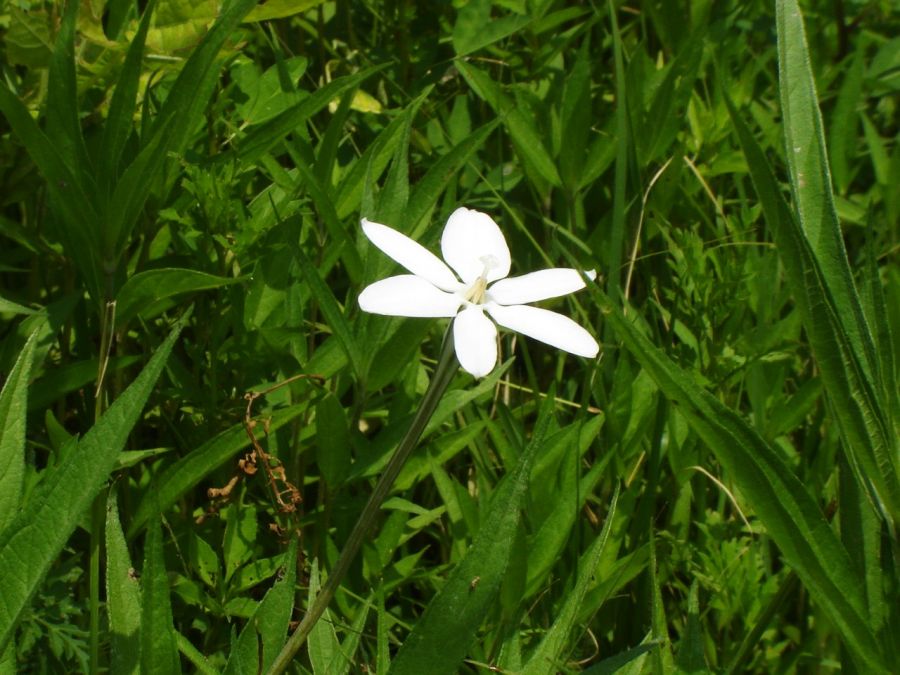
(263, 137)
(690, 650)
(329, 306)
(62, 123)
(141, 292)
(781, 501)
(862, 420)
(279, 9)
(10, 307)
(13, 414)
(190, 93)
(123, 595)
(525, 137)
(332, 440)
(188, 471)
(159, 651)
(429, 188)
(475, 28)
(440, 639)
(322, 644)
(266, 631)
(811, 178)
(549, 652)
(33, 540)
(120, 119)
(78, 233)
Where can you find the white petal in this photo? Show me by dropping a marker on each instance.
(475, 338)
(407, 295)
(538, 286)
(472, 244)
(542, 324)
(412, 255)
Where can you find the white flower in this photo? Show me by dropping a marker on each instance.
(475, 248)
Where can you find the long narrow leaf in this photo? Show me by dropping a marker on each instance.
(123, 595)
(525, 137)
(548, 653)
(266, 631)
(187, 472)
(440, 639)
(31, 542)
(120, 120)
(781, 501)
(13, 413)
(863, 423)
(263, 137)
(811, 177)
(159, 651)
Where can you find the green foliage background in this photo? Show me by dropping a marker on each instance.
(181, 190)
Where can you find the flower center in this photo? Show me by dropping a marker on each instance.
(475, 292)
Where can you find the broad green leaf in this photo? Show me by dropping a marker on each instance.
(576, 117)
(440, 639)
(271, 92)
(527, 140)
(63, 126)
(265, 632)
(842, 136)
(159, 651)
(343, 661)
(549, 652)
(33, 540)
(241, 527)
(781, 501)
(368, 167)
(13, 413)
(123, 595)
(142, 291)
(188, 471)
(27, 37)
(690, 649)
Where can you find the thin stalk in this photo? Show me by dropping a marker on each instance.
(444, 372)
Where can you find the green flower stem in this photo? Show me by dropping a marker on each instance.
(444, 372)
